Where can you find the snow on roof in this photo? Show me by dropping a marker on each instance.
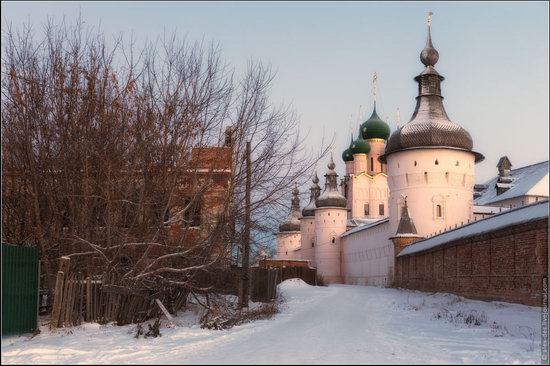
(530, 180)
(489, 209)
(512, 217)
(360, 221)
(373, 222)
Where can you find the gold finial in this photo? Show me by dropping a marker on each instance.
(374, 78)
(430, 18)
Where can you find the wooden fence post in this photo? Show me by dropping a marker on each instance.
(88, 299)
(58, 299)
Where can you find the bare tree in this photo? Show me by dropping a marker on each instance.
(107, 154)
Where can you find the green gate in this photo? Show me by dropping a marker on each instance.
(20, 277)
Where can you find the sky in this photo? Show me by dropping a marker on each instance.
(494, 56)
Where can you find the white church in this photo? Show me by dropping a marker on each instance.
(414, 183)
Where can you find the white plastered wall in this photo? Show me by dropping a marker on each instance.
(448, 184)
(368, 256)
(330, 224)
(287, 244)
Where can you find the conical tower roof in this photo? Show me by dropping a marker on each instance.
(292, 223)
(331, 197)
(429, 127)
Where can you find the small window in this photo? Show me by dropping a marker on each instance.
(333, 240)
(438, 211)
(457, 163)
(312, 244)
(415, 163)
(366, 209)
(371, 164)
(381, 209)
(436, 162)
(397, 165)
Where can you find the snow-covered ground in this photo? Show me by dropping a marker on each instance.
(316, 325)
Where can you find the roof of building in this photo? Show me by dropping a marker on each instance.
(370, 223)
(516, 216)
(429, 127)
(530, 180)
(406, 222)
(375, 127)
(315, 190)
(331, 197)
(292, 223)
(346, 155)
(360, 146)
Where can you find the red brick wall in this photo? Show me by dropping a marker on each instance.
(505, 265)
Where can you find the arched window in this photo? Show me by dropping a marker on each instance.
(415, 163)
(333, 240)
(457, 163)
(438, 211)
(436, 162)
(371, 163)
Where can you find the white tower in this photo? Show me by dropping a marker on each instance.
(430, 160)
(330, 223)
(289, 237)
(307, 224)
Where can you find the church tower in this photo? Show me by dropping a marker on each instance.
(330, 224)
(289, 237)
(430, 159)
(307, 224)
(366, 179)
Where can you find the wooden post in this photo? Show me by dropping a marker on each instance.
(80, 297)
(246, 240)
(58, 299)
(88, 299)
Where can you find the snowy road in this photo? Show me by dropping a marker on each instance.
(318, 325)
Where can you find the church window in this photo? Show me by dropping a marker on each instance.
(312, 244)
(415, 163)
(436, 162)
(438, 211)
(366, 209)
(381, 209)
(333, 240)
(371, 163)
(457, 163)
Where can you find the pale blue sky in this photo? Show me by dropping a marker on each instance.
(494, 57)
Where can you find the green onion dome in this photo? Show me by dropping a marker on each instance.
(347, 155)
(360, 146)
(375, 128)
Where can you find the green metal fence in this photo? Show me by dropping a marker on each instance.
(20, 277)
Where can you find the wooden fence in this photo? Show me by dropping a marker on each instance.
(98, 299)
(264, 281)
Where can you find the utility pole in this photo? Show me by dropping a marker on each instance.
(245, 280)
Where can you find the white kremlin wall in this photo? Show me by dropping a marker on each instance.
(367, 255)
